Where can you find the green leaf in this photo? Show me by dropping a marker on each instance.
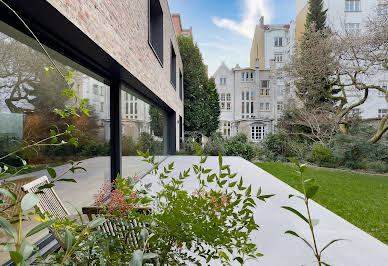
(203, 160)
(210, 178)
(232, 184)
(264, 197)
(220, 160)
(16, 257)
(67, 180)
(137, 258)
(324, 263)
(239, 259)
(7, 226)
(311, 191)
(45, 186)
(68, 239)
(258, 192)
(40, 227)
(52, 132)
(296, 212)
(196, 147)
(304, 240)
(294, 162)
(96, 222)
(26, 249)
(51, 172)
(8, 193)
(222, 254)
(248, 191)
(331, 242)
(29, 201)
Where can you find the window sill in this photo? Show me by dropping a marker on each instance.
(356, 11)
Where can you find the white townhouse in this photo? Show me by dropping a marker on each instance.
(251, 101)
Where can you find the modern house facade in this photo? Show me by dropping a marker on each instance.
(119, 48)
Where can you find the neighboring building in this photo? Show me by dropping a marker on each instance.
(251, 101)
(135, 118)
(273, 42)
(352, 15)
(176, 19)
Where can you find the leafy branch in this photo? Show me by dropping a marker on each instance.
(309, 190)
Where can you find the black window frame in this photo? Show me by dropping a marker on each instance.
(158, 51)
(180, 85)
(173, 78)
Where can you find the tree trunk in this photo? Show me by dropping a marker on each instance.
(344, 128)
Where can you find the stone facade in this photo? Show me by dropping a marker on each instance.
(121, 29)
(251, 101)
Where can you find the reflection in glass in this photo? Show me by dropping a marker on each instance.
(29, 94)
(142, 129)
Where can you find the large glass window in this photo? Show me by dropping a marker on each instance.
(31, 90)
(142, 129)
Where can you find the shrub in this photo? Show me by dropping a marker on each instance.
(322, 155)
(277, 146)
(129, 146)
(187, 145)
(215, 145)
(147, 142)
(95, 149)
(378, 167)
(239, 146)
(8, 145)
(350, 151)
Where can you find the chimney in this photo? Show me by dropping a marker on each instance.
(261, 22)
(257, 63)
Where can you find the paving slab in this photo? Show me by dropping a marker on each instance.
(278, 248)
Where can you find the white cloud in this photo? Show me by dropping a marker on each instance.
(252, 10)
(219, 46)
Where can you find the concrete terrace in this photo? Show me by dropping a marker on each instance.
(278, 249)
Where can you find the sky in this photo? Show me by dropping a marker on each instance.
(223, 29)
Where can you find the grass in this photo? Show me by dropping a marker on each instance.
(361, 199)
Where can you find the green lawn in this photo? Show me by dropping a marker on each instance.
(361, 199)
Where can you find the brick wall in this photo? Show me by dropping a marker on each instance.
(120, 27)
(176, 19)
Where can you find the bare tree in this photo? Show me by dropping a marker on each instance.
(313, 124)
(24, 85)
(331, 67)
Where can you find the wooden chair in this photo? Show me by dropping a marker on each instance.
(127, 230)
(49, 201)
(8, 207)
